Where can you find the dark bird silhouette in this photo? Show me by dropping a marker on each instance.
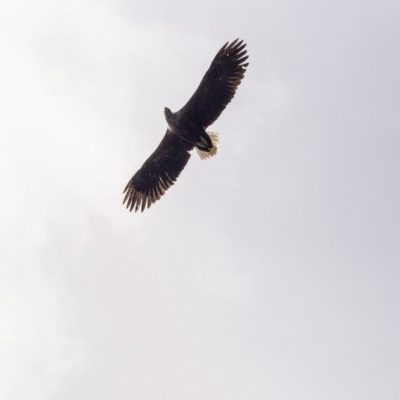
(187, 128)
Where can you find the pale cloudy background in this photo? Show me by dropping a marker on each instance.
(270, 272)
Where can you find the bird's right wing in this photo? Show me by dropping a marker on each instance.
(158, 172)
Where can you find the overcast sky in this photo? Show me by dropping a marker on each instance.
(268, 272)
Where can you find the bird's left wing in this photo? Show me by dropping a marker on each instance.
(218, 85)
(157, 173)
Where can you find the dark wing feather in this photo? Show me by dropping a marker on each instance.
(158, 172)
(218, 85)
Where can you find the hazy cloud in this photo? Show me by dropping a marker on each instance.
(268, 272)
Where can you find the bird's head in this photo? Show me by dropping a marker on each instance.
(167, 113)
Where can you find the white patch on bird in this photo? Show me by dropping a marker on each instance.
(204, 155)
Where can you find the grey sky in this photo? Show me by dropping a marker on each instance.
(269, 272)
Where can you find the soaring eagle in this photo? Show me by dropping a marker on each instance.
(187, 128)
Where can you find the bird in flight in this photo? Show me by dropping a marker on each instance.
(187, 128)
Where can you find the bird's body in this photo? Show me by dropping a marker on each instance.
(183, 127)
(187, 128)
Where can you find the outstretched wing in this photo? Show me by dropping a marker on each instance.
(218, 85)
(158, 172)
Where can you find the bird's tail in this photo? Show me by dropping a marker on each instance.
(212, 151)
